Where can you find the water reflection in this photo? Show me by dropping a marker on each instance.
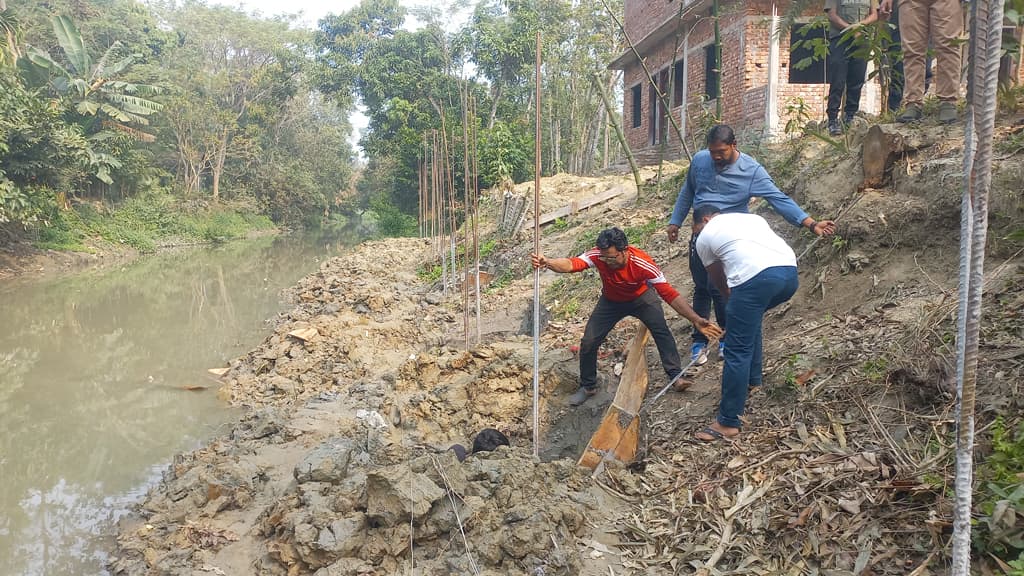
(92, 377)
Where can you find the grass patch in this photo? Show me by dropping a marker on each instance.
(559, 225)
(640, 235)
(145, 221)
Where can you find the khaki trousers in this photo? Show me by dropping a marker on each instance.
(943, 21)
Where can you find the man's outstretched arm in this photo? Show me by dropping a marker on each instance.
(561, 265)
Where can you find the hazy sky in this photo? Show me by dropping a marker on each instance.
(312, 10)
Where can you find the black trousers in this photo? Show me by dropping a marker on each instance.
(647, 308)
(704, 293)
(846, 75)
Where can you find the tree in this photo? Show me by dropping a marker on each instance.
(501, 46)
(94, 89)
(228, 67)
(343, 40)
(40, 155)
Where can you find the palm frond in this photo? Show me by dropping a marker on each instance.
(87, 108)
(105, 61)
(43, 62)
(10, 32)
(134, 103)
(80, 86)
(115, 113)
(119, 66)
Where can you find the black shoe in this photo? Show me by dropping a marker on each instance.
(835, 128)
(911, 113)
(580, 396)
(848, 121)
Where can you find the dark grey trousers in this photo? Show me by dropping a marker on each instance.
(647, 308)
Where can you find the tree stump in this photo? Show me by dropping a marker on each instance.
(884, 143)
(878, 154)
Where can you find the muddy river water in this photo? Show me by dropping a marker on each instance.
(103, 378)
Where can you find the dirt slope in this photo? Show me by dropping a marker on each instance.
(341, 465)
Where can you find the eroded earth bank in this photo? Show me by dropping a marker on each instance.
(342, 467)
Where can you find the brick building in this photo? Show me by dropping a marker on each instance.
(752, 96)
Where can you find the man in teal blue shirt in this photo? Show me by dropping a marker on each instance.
(722, 175)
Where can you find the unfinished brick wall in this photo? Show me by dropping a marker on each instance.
(745, 27)
(643, 16)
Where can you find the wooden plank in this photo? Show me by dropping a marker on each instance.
(618, 436)
(577, 205)
(633, 383)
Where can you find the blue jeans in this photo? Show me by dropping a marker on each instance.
(743, 345)
(704, 294)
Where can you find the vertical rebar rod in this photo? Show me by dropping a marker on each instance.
(465, 219)
(536, 271)
(983, 77)
(476, 207)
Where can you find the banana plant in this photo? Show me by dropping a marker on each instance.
(93, 89)
(9, 34)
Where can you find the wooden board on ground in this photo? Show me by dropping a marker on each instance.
(218, 372)
(618, 436)
(577, 205)
(304, 334)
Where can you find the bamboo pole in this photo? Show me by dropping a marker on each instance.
(618, 130)
(536, 271)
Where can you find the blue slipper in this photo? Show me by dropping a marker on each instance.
(715, 435)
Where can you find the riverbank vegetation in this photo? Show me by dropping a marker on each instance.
(208, 108)
(141, 124)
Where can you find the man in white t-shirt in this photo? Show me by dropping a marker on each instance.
(756, 270)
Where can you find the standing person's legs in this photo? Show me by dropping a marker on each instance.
(856, 72)
(746, 307)
(914, 36)
(704, 294)
(894, 55)
(604, 317)
(743, 343)
(946, 23)
(837, 72)
(784, 281)
(647, 308)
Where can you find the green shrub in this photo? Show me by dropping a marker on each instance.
(1000, 496)
(390, 220)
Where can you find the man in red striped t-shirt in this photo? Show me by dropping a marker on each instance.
(627, 274)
